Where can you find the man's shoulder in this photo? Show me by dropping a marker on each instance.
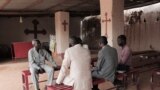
(127, 48)
(114, 49)
(109, 47)
(30, 50)
(70, 49)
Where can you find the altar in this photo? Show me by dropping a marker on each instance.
(20, 49)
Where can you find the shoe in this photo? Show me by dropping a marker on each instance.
(118, 82)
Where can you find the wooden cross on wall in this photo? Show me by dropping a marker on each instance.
(106, 20)
(64, 23)
(35, 31)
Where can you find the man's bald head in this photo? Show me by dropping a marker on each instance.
(36, 43)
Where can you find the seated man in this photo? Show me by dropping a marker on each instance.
(124, 62)
(37, 57)
(78, 59)
(106, 64)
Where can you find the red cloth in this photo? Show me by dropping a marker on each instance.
(20, 49)
(59, 87)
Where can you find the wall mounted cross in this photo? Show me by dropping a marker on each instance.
(64, 23)
(105, 21)
(35, 31)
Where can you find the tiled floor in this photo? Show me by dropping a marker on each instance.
(10, 76)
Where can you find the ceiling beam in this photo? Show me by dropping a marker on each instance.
(15, 12)
(136, 5)
(83, 13)
(78, 4)
(63, 1)
(46, 14)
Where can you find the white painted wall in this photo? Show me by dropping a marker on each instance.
(62, 36)
(140, 38)
(114, 10)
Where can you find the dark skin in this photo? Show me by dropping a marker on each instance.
(37, 45)
(120, 43)
(101, 45)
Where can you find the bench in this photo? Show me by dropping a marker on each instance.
(64, 87)
(59, 87)
(26, 74)
(154, 81)
(25, 81)
(123, 76)
(145, 58)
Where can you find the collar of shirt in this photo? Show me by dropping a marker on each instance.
(77, 45)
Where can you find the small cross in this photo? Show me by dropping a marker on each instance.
(106, 20)
(64, 24)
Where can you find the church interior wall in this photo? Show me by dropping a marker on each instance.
(143, 32)
(11, 30)
(75, 26)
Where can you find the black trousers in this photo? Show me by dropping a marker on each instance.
(123, 67)
(95, 87)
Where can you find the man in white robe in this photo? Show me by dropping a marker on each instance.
(78, 59)
(37, 57)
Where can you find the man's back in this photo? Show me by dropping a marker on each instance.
(107, 63)
(78, 59)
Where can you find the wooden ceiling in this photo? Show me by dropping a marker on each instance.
(48, 7)
(138, 3)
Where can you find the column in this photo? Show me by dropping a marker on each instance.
(112, 20)
(62, 31)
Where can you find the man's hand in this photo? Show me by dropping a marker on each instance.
(58, 83)
(56, 67)
(41, 70)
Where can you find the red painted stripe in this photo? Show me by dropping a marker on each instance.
(5, 4)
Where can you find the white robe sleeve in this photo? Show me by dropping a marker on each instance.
(64, 68)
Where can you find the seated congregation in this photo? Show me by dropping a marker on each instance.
(78, 72)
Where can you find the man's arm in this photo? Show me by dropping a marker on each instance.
(49, 58)
(97, 67)
(31, 61)
(65, 65)
(97, 72)
(125, 56)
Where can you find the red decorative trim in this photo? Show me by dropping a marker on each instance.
(5, 4)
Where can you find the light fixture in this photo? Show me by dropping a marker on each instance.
(20, 19)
